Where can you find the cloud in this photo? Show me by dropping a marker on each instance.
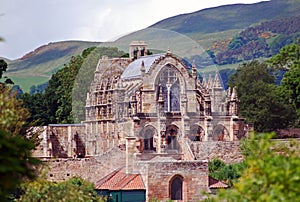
(27, 24)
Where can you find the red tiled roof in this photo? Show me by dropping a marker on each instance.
(118, 180)
(216, 184)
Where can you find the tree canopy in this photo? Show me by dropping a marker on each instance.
(17, 140)
(261, 102)
(59, 101)
(273, 172)
(289, 59)
(75, 189)
(228, 173)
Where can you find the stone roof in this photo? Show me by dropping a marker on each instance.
(118, 180)
(133, 70)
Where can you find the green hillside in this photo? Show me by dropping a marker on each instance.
(189, 36)
(37, 66)
(229, 17)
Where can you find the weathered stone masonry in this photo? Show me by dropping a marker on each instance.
(154, 116)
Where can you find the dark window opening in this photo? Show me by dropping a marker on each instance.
(172, 138)
(148, 139)
(196, 133)
(176, 188)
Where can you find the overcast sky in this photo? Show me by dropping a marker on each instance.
(28, 24)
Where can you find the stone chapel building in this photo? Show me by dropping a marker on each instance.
(146, 118)
(159, 101)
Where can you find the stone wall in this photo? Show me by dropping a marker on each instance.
(157, 176)
(227, 151)
(61, 141)
(91, 169)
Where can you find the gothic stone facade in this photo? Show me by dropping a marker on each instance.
(154, 115)
(157, 100)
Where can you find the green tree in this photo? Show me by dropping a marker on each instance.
(17, 140)
(273, 172)
(3, 84)
(74, 189)
(289, 59)
(66, 93)
(225, 172)
(261, 102)
(16, 162)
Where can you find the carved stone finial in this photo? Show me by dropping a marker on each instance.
(169, 52)
(234, 95)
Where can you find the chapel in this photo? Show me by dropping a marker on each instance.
(160, 102)
(152, 125)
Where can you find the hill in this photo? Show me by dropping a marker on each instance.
(37, 66)
(212, 33)
(229, 17)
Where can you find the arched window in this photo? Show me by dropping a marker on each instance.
(147, 136)
(176, 188)
(148, 140)
(171, 135)
(169, 82)
(220, 133)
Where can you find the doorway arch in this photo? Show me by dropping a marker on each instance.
(176, 186)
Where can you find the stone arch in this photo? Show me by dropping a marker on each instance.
(221, 133)
(172, 132)
(147, 137)
(176, 187)
(197, 133)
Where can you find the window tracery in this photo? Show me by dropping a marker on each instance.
(170, 87)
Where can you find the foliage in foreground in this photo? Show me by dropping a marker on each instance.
(273, 172)
(74, 189)
(16, 162)
(228, 173)
(17, 140)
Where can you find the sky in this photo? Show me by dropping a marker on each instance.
(27, 24)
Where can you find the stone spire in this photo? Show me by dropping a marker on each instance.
(209, 82)
(234, 102)
(217, 83)
(234, 96)
(204, 81)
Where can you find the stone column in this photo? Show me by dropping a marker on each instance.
(130, 150)
(70, 141)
